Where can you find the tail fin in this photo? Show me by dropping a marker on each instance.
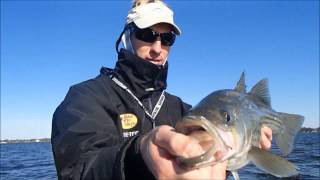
(292, 124)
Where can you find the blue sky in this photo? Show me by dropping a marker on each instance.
(46, 46)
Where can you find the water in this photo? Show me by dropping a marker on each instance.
(305, 155)
(34, 161)
(27, 161)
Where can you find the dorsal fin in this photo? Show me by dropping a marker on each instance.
(241, 85)
(261, 91)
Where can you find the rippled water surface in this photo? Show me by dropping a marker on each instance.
(34, 161)
(27, 161)
(305, 155)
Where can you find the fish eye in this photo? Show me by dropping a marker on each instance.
(227, 117)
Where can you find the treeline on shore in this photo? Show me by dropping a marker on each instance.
(7, 141)
(305, 129)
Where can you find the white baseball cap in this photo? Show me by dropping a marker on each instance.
(147, 15)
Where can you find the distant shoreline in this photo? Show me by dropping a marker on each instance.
(305, 129)
(16, 141)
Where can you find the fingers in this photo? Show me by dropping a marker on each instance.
(265, 138)
(267, 132)
(219, 170)
(264, 142)
(175, 143)
(161, 145)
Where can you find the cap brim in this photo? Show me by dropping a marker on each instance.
(142, 23)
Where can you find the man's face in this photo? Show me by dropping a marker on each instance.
(153, 52)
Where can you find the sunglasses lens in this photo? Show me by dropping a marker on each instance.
(149, 36)
(146, 35)
(167, 39)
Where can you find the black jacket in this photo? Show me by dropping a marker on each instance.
(96, 129)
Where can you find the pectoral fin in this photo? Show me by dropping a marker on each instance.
(271, 163)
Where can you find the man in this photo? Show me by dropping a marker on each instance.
(119, 125)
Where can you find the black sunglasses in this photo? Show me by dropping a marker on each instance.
(150, 36)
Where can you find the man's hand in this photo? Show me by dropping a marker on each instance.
(160, 147)
(265, 138)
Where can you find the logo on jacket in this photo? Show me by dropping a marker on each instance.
(128, 121)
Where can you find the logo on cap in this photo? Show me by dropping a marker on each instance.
(128, 121)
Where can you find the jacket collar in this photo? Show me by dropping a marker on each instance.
(139, 75)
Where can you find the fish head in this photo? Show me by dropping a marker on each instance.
(217, 115)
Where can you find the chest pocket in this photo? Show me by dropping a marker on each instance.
(130, 117)
(126, 115)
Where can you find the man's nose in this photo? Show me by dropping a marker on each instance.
(156, 46)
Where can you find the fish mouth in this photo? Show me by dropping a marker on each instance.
(218, 145)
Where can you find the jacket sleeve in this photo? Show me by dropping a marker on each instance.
(185, 108)
(85, 139)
